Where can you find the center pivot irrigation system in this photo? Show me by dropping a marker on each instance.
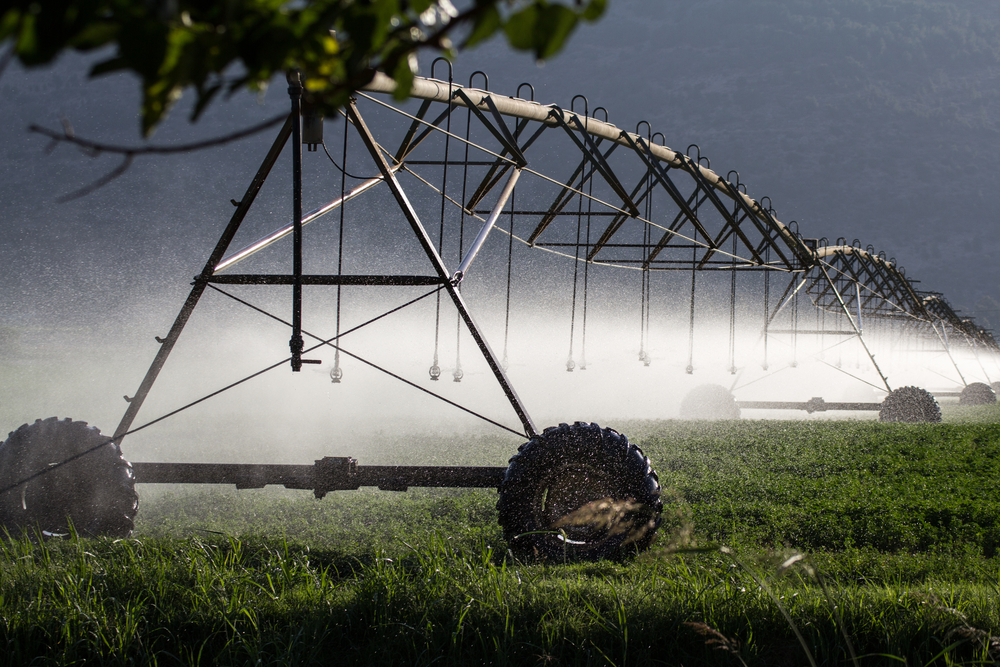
(455, 161)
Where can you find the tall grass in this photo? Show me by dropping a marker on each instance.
(276, 577)
(223, 600)
(835, 485)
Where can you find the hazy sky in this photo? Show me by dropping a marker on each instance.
(861, 119)
(868, 120)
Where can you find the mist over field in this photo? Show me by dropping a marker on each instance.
(872, 120)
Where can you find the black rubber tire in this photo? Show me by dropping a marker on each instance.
(977, 393)
(909, 404)
(590, 476)
(709, 401)
(94, 491)
(996, 387)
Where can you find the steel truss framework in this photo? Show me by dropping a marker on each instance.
(621, 198)
(642, 205)
(559, 181)
(628, 201)
(563, 182)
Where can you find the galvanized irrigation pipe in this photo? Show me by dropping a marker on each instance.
(441, 91)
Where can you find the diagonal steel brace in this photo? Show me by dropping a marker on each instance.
(432, 254)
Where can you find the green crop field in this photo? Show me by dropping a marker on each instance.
(784, 543)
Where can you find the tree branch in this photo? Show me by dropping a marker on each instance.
(95, 147)
(99, 183)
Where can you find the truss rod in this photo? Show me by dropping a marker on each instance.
(943, 338)
(315, 214)
(477, 245)
(439, 91)
(847, 275)
(432, 254)
(857, 328)
(709, 177)
(201, 282)
(694, 243)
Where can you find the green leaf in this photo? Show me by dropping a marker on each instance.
(594, 10)
(9, 23)
(404, 79)
(95, 35)
(541, 28)
(108, 66)
(204, 98)
(143, 43)
(554, 25)
(485, 27)
(421, 5)
(520, 28)
(179, 44)
(27, 41)
(157, 99)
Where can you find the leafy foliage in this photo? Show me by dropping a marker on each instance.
(838, 487)
(824, 485)
(336, 45)
(250, 577)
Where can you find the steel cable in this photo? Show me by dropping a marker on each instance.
(732, 314)
(586, 278)
(527, 170)
(342, 170)
(322, 342)
(510, 260)
(435, 369)
(336, 373)
(767, 299)
(570, 364)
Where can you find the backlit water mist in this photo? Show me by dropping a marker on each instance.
(84, 369)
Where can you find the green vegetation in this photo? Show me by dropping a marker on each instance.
(899, 522)
(337, 45)
(916, 488)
